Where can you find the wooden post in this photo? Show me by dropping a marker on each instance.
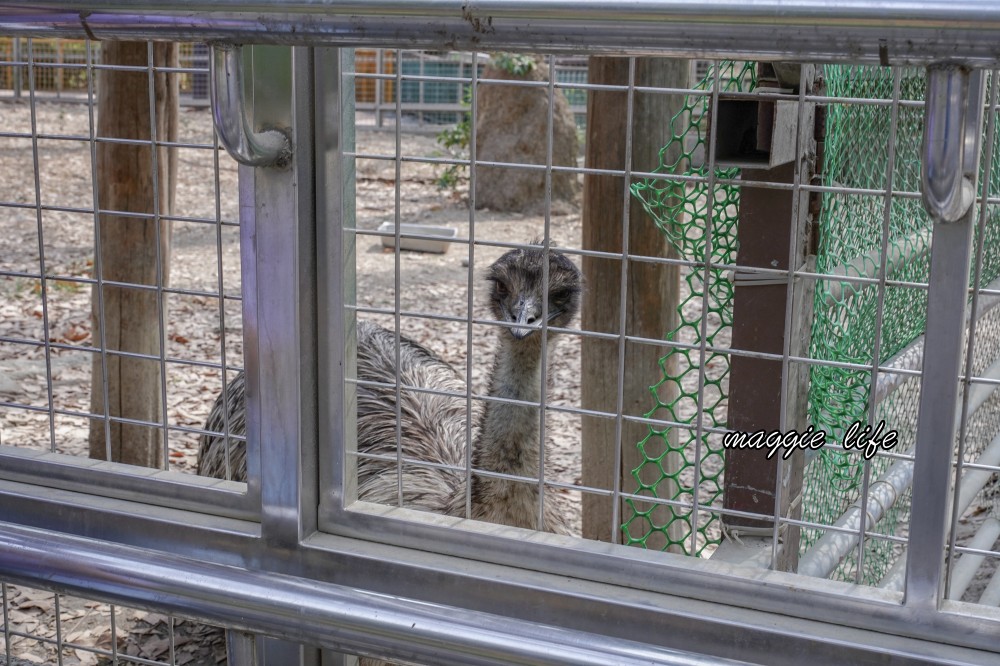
(133, 249)
(653, 289)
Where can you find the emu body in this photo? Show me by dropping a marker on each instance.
(434, 428)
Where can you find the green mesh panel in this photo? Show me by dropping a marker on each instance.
(846, 315)
(846, 323)
(680, 210)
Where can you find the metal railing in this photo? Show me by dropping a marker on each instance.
(887, 32)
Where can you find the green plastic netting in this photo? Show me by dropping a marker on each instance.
(681, 210)
(846, 319)
(846, 322)
(846, 315)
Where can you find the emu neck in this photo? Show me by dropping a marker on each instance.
(508, 437)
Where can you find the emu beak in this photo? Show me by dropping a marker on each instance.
(526, 314)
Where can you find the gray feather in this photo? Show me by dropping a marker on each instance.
(435, 428)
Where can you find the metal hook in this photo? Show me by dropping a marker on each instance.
(953, 119)
(229, 111)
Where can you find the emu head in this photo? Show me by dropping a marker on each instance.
(518, 292)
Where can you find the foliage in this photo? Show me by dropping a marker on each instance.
(455, 140)
(517, 64)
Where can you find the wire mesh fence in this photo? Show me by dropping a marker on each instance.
(41, 627)
(467, 324)
(49, 274)
(61, 69)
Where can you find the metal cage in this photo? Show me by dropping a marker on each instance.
(283, 254)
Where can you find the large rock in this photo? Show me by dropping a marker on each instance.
(512, 127)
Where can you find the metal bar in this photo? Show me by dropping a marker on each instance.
(114, 637)
(623, 310)
(947, 192)
(397, 270)
(59, 631)
(241, 648)
(40, 237)
(278, 241)
(705, 307)
(946, 310)
(162, 258)
(471, 283)
(973, 397)
(340, 617)
(379, 87)
(5, 599)
(18, 83)
(221, 286)
(704, 603)
(882, 261)
(886, 32)
(335, 201)
(546, 243)
(137, 484)
(229, 111)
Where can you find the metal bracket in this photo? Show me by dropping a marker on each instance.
(229, 111)
(953, 120)
(763, 132)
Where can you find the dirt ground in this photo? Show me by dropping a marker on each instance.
(205, 260)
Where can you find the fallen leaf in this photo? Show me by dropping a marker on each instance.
(76, 333)
(86, 658)
(33, 599)
(155, 618)
(155, 647)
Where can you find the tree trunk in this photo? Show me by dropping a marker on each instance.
(653, 289)
(133, 250)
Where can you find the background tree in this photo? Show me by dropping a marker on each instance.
(134, 246)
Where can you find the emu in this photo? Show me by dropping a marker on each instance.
(432, 427)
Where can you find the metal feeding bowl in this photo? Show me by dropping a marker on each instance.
(418, 237)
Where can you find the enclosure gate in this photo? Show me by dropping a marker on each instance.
(295, 555)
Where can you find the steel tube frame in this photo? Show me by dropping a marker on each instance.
(829, 551)
(230, 113)
(824, 556)
(952, 92)
(335, 616)
(885, 31)
(220, 592)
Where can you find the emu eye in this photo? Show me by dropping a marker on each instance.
(500, 288)
(560, 299)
